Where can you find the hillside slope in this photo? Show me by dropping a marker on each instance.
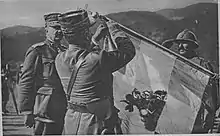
(201, 18)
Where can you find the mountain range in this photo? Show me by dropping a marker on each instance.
(201, 18)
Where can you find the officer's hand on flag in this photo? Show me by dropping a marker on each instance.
(215, 78)
(101, 32)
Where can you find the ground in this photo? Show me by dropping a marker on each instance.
(13, 123)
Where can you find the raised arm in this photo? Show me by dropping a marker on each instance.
(122, 49)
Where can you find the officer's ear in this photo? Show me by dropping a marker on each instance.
(46, 28)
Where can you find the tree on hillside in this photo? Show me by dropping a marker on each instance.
(157, 35)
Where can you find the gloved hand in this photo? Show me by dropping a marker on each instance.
(93, 16)
(216, 77)
(115, 30)
(101, 31)
(112, 25)
(29, 120)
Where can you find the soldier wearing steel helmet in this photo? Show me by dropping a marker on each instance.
(42, 99)
(187, 44)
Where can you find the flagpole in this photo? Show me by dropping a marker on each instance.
(135, 34)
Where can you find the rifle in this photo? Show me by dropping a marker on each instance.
(11, 90)
(14, 100)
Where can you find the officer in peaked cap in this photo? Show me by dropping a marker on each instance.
(187, 44)
(90, 105)
(41, 96)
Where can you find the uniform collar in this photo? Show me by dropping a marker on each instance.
(76, 47)
(48, 42)
(191, 55)
(52, 45)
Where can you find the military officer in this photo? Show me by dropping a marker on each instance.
(90, 106)
(42, 99)
(187, 44)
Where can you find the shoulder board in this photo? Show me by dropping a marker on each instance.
(35, 46)
(38, 45)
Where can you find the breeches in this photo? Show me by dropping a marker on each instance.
(54, 108)
(42, 128)
(78, 123)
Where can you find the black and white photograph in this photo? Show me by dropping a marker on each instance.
(109, 67)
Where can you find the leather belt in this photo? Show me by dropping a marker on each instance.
(78, 108)
(48, 85)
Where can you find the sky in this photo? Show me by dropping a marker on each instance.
(30, 12)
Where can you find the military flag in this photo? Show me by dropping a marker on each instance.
(160, 91)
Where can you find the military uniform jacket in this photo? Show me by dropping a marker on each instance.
(202, 62)
(212, 86)
(39, 75)
(204, 120)
(94, 78)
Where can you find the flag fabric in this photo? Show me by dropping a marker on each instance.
(163, 93)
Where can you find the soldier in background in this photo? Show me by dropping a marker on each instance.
(187, 44)
(8, 87)
(90, 106)
(42, 99)
(18, 74)
(4, 89)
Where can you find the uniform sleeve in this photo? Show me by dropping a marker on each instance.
(125, 52)
(206, 64)
(212, 88)
(27, 82)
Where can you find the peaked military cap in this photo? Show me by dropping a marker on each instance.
(186, 36)
(51, 19)
(74, 21)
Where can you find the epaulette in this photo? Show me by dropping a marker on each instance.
(35, 46)
(38, 45)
